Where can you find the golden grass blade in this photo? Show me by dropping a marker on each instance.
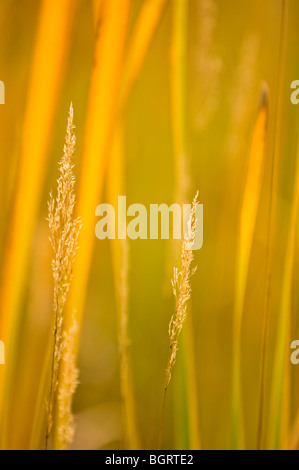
(99, 127)
(182, 291)
(120, 259)
(248, 215)
(279, 413)
(293, 443)
(147, 23)
(273, 204)
(54, 28)
(97, 6)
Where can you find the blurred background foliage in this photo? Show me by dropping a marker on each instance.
(231, 48)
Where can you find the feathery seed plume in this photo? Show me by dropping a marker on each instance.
(182, 291)
(64, 231)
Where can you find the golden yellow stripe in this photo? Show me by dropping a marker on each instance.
(248, 216)
(144, 30)
(97, 6)
(120, 260)
(99, 127)
(279, 412)
(51, 50)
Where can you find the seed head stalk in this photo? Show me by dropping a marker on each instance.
(64, 231)
(181, 286)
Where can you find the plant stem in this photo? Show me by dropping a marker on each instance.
(164, 405)
(51, 394)
(273, 204)
(162, 420)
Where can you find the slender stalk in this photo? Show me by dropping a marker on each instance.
(51, 394)
(120, 260)
(163, 412)
(272, 217)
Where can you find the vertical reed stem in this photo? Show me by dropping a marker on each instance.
(272, 217)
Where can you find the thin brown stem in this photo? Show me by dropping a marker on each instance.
(162, 420)
(51, 394)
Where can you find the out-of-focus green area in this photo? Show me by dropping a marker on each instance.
(233, 47)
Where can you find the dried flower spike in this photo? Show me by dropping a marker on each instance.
(182, 291)
(64, 231)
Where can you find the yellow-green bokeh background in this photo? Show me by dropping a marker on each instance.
(245, 44)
